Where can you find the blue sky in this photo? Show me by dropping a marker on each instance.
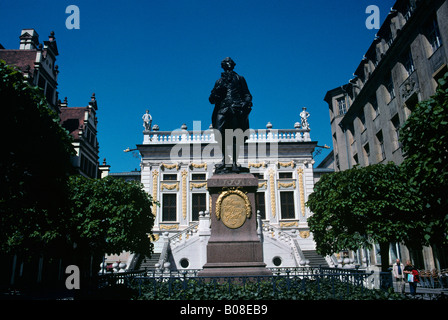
(165, 56)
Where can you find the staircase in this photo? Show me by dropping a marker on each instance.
(315, 259)
(149, 263)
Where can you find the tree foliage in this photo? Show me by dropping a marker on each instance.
(361, 206)
(110, 216)
(34, 166)
(424, 137)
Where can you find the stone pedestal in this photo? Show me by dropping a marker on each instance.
(234, 248)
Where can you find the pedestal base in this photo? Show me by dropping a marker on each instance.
(234, 251)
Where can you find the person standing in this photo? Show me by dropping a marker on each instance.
(398, 273)
(412, 277)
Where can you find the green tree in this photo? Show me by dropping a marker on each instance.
(424, 137)
(364, 205)
(109, 216)
(34, 168)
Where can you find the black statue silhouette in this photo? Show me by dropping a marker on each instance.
(233, 103)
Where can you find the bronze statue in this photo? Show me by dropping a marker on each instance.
(233, 103)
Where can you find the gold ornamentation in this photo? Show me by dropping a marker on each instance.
(304, 234)
(169, 186)
(169, 227)
(262, 184)
(272, 186)
(197, 185)
(286, 164)
(169, 166)
(257, 165)
(289, 224)
(287, 184)
(199, 165)
(184, 193)
(233, 208)
(155, 174)
(153, 237)
(301, 191)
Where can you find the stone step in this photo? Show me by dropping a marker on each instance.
(149, 263)
(315, 259)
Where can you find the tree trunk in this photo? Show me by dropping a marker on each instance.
(384, 252)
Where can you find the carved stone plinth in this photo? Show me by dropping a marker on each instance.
(234, 248)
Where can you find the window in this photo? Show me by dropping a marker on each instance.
(260, 204)
(433, 34)
(198, 176)
(382, 151)
(197, 205)
(287, 204)
(258, 175)
(409, 63)
(362, 119)
(169, 207)
(390, 88)
(285, 175)
(342, 106)
(170, 177)
(366, 153)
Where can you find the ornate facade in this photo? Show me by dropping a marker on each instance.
(175, 167)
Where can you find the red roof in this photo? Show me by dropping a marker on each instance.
(72, 118)
(19, 58)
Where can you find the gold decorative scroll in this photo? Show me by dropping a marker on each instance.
(168, 227)
(197, 185)
(169, 186)
(272, 187)
(155, 174)
(289, 224)
(287, 184)
(301, 191)
(286, 164)
(184, 193)
(262, 184)
(199, 165)
(257, 165)
(169, 166)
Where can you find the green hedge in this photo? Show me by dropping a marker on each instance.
(278, 289)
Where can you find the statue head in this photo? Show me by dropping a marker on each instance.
(228, 64)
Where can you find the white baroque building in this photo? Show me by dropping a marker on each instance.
(175, 166)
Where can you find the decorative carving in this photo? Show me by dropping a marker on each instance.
(169, 186)
(289, 224)
(184, 193)
(197, 185)
(155, 174)
(199, 165)
(257, 165)
(272, 187)
(286, 164)
(169, 227)
(233, 207)
(287, 184)
(301, 191)
(169, 166)
(304, 234)
(262, 184)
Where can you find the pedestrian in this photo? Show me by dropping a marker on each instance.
(398, 272)
(411, 277)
